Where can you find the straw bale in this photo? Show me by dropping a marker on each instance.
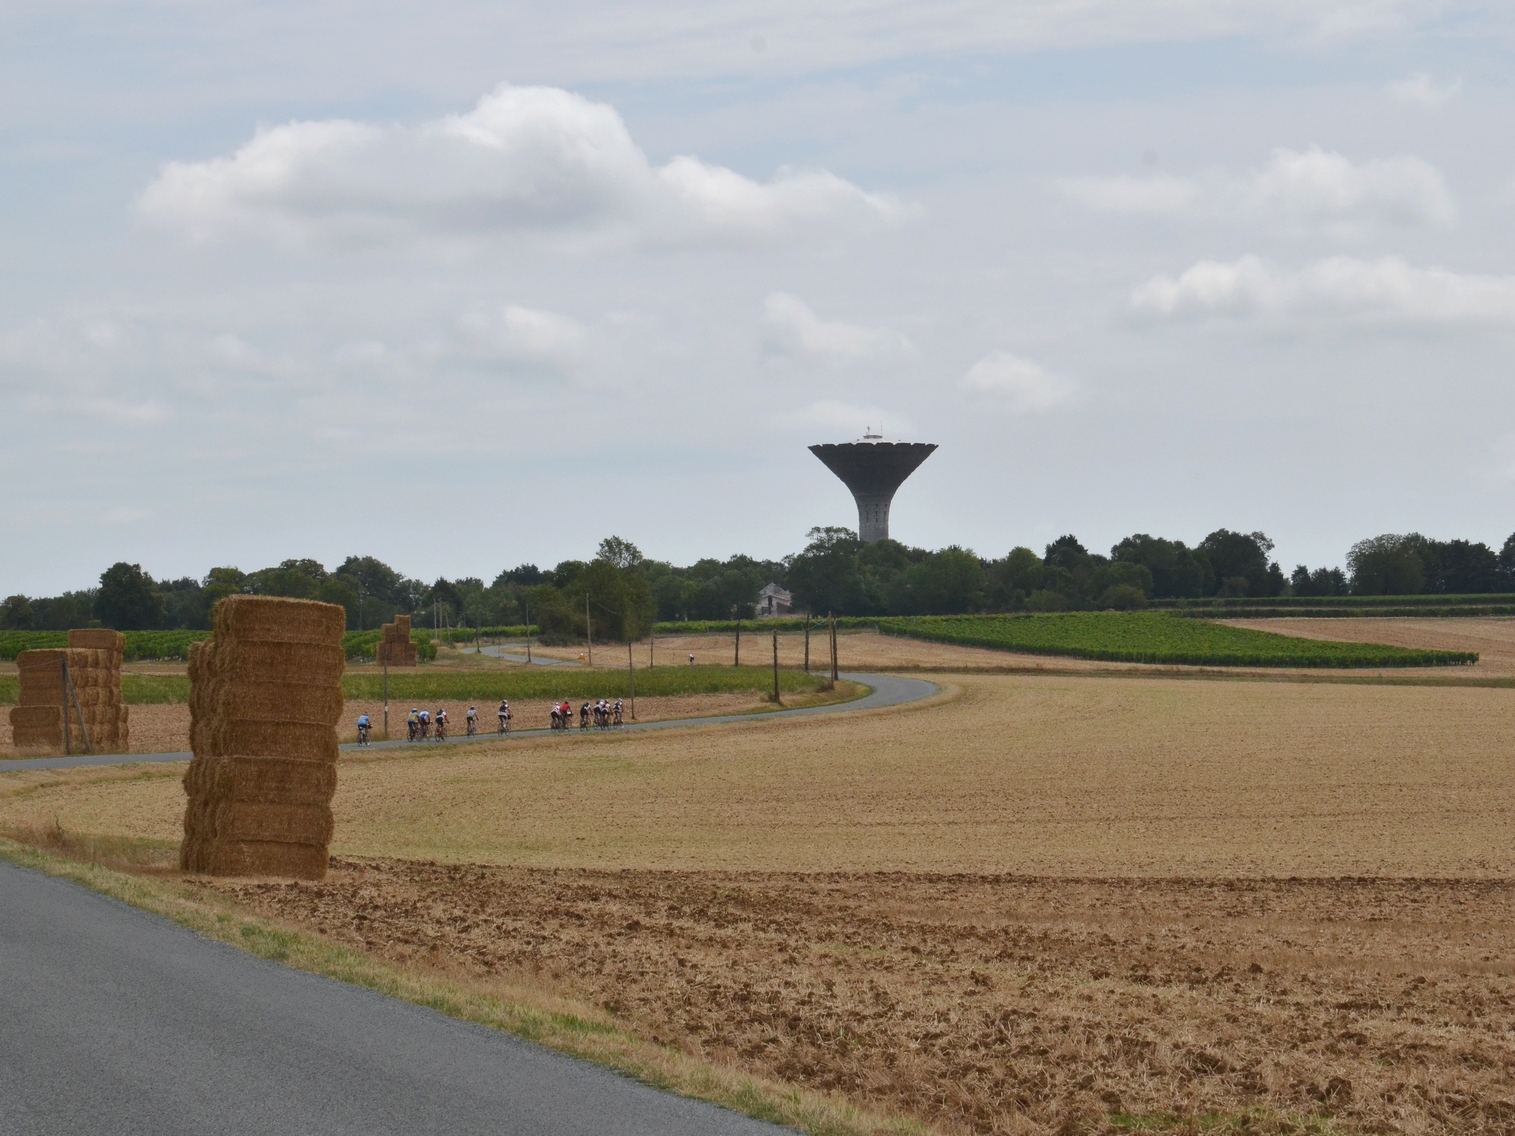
(279, 620)
(262, 660)
(37, 726)
(97, 638)
(401, 625)
(254, 858)
(261, 780)
(229, 736)
(290, 702)
(218, 820)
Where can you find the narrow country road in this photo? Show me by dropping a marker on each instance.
(883, 690)
(114, 1022)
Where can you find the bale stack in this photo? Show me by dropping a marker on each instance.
(265, 698)
(94, 668)
(98, 685)
(395, 647)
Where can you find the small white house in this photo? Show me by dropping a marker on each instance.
(773, 600)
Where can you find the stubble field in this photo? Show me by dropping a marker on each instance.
(1040, 903)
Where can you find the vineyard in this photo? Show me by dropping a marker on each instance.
(174, 645)
(1158, 637)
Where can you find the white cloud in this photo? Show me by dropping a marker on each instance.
(125, 515)
(1337, 288)
(845, 420)
(1421, 90)
(1018, 385)
(514, 334)
(791, 328)
(525, 161)
(1310, 187)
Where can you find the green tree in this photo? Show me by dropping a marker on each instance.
(1012, 580)
(17, 614)
(828, 576)
(1240, 563)
(1176, 571)
(1387, 565)
(128, 600)
(949, 582)
(1123, 597)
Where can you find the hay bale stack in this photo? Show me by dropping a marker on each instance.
(265, 698)
(395, 647)
(93, 659)
(97, 683)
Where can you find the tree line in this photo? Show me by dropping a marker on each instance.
(624, 591)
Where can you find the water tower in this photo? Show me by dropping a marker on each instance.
(873, 469)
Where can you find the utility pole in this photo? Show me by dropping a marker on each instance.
(776, 669)
(831, 616)
(588, 635)
(528, 632)
(631, 673)
(807, 640)
(386, 696)
(737, 659)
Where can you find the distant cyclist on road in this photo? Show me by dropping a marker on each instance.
(504, 716)
(441, 723)
(413, 723)
(425, 723)
(472, 718)
(363, 725)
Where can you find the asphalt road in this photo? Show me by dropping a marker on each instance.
(884, 690)
(115, 1022)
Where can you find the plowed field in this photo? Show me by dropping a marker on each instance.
(997, 1004)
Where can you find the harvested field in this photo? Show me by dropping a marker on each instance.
(995, 1004)
(1063, 776)
(1038, 904)
(1492, 638)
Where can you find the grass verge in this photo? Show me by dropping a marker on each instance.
(133, 872)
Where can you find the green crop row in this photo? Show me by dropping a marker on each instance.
(491, 686)
(142, 645)
(1158, 637)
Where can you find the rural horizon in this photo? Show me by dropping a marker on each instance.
(721, 569)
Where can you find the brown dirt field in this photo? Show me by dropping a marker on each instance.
(1036, 904)
(1493, 639)
(998, 1004)
(1062, 776)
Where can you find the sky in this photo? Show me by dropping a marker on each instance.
(465, 285)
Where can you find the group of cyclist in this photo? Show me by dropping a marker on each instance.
(421, 724)
(603, 713)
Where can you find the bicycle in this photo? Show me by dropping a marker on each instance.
(362, 733)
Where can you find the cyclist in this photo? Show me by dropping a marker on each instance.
(425, 723)
(620, 705)
(504, 715)
(441, 723)
(413, 723)
(584, 716)
(472, 718)
(363, 725)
